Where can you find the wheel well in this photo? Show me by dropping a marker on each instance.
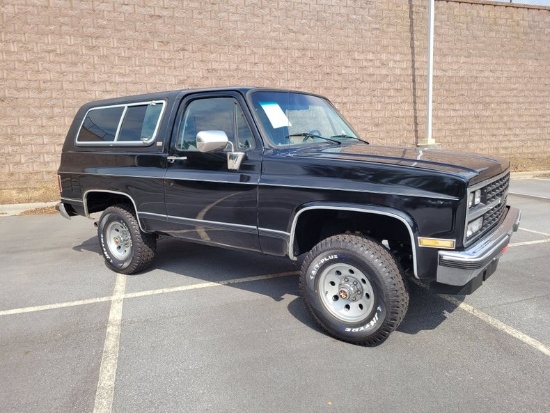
(99, 201)
(318, 224)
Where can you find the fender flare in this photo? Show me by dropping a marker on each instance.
(369, 209)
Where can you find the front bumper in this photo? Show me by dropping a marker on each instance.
(475, 264)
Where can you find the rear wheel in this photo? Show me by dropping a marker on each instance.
(126, 248)
(354, 289)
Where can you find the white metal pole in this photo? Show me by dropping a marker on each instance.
(429, 138)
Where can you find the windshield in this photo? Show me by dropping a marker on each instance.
(289, 118)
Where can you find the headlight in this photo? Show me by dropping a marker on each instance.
(474, 227)
(474, 198)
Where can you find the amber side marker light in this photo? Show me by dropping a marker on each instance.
(59, 182)
(448, 244)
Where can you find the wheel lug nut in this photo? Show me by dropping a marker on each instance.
(346, 279)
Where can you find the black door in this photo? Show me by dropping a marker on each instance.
(205, 201)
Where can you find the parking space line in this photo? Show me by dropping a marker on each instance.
(499, 325)
(519, 244)
(534, 232)
(115, 317)
(208, 284)
(545, 198)
(54, 306)
(109, 360)
(143, 293)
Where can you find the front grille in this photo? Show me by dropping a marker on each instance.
(496, 189)
(493, 193)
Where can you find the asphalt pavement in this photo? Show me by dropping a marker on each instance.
(207, 329)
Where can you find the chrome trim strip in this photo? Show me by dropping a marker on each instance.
(69, 200)
(202, 222)
(274, 233)
(250, 228)
(476, 213)
(363, 210)
(85, 199)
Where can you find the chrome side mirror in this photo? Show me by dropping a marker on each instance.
(211, 140)
(217, 140)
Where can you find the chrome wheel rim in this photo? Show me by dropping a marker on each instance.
(119, 240)
(346, 292)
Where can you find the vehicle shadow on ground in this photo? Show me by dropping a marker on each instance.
(427, 310)
(90, 245)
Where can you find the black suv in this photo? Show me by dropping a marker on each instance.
(281, 172)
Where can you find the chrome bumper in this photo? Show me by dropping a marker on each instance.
(458, 268)
(60, 207)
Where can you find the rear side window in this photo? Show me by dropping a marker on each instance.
(132, 124)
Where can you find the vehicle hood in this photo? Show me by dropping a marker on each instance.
(472, 167)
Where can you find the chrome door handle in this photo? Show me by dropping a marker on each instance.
(172, 159)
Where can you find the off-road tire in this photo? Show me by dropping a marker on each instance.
(354, 289)
(126, 249)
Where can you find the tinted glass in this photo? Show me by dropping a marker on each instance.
(139, 124)
(152, 116)
(132, 124)
(224, 114)
(100, 125)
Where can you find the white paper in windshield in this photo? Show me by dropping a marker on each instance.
(275, 114)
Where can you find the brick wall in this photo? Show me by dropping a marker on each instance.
(491, 79)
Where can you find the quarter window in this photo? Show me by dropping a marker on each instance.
(134, 124)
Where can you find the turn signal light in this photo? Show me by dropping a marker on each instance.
(437, 243)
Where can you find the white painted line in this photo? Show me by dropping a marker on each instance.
(519, 244)
(208, 284)
(107, 372)
(499, 325)
(529, 196)
(55, 306)
(534, 232)
(143, 293)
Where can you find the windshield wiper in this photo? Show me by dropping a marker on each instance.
(307, 135)
(349, 137)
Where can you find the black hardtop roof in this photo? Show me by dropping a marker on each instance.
(172, 94)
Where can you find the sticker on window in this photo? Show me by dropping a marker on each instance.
(275, 114)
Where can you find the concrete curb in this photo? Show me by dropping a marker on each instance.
(16, 209)
(528, 175)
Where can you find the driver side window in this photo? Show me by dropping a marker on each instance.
(224, 114)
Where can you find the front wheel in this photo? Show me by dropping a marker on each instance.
(126, 248)
(354, 289)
